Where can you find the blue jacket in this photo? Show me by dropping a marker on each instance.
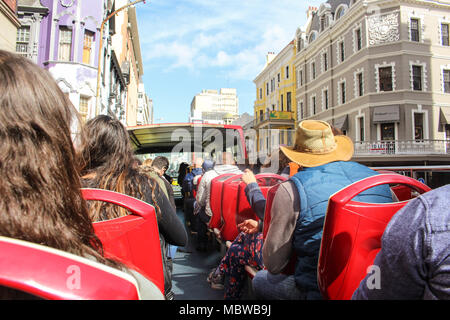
(188, 185)
(315, 186)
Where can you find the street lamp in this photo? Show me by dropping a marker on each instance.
(97, 97)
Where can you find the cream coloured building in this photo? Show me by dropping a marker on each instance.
(380, 72)
(212, 106)
(9, 23)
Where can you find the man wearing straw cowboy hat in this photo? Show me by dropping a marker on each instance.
(299, 207)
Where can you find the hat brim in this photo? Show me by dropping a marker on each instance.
(343, 152)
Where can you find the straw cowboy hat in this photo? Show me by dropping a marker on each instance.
(315, 145)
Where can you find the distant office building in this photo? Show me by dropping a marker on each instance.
(212, 106)
(145, 107)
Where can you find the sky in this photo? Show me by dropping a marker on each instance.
(191, 45)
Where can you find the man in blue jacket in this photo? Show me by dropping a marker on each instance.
(299, 207)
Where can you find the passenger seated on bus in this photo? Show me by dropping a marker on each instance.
(183, 170)
(227, 165)
(106, 161)
(414, 260)
(147, 169)
(40, 198)
(246, 248)
(188, 190)
(160, 164)
(299, 206)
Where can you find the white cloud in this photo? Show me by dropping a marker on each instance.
(232, 35)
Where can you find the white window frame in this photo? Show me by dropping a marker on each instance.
(423, 76)
(357, 127)
(356, 83)
(426, 134)
(325, 89)
(357, 27)
(339, 91)
(377, 75)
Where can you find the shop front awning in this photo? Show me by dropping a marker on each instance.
(444, 117)
(386, 114)
(341, 123)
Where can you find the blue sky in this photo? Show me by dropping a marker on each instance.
(190, 45)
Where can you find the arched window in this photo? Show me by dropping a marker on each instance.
(312, 36)
(340, 11)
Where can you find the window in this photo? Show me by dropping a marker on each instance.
(282, 103)
(415, 29)
(444, 34)
(361, 128)
(341, 51)
(22, 40)
(84, 106)
(88, 46)
(342, 87)
(325, 99)
(313, 104)
(323, 22)
(260, 93)
(447, 81)
(279, 78)
(313, 70)
(418, 126)
(65, 44)
(287, 72)
(360, 84)
(417, 78)
(388, 131)
(267, 88)
(358, 39)
(301, 111)
(325, 61)
(385, 78)
(288, 102)
(300, 76)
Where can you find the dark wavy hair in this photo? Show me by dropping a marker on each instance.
(107, 162)
(40, 193)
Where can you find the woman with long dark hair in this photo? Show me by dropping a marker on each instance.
(40, 198)
(107, 162)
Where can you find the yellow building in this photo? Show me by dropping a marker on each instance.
(275, 105)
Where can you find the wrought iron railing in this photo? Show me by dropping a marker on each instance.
(402, 147)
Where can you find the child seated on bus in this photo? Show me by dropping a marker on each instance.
(40, 198)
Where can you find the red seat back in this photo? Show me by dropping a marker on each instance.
(132, 239)
(236, 208)
(352, 235)
(215, 199)
(54, 274)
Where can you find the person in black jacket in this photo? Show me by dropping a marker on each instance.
(107, 162)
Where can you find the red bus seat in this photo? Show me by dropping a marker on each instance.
(132, 239)
(215, 199)
(53, 274)
(236, 208)
(352, 235)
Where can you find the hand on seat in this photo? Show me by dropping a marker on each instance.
(249, 226)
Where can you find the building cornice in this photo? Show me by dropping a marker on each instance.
(9, 14)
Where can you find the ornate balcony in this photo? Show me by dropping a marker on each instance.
(272, 119)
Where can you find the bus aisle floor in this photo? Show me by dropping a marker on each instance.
(190, 270)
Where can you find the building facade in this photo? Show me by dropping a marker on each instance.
(275, 104)
(212, 106)
(380, 72)
(9, 23)
(144, 108)
(63, 36)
